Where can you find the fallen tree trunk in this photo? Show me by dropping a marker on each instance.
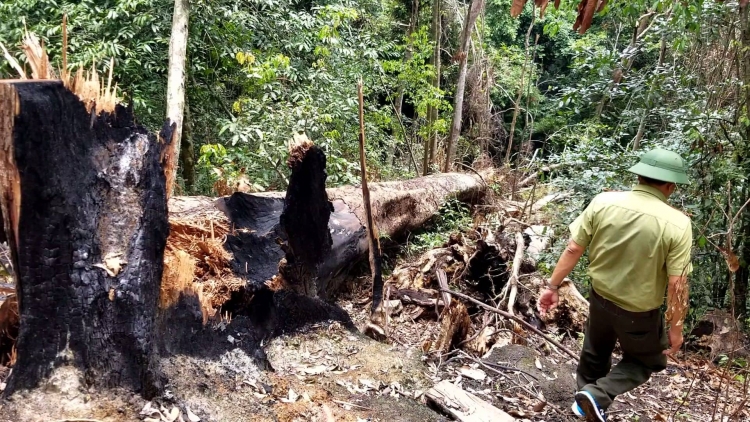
(258, 240)
(84, 212)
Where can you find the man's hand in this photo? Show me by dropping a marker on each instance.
(548, 301)
(675, 340)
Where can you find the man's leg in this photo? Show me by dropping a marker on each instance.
(642, 341)
(598, 344)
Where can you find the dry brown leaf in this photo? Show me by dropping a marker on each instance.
(732, 261)
(540, 406)
(588, 15)
(113, 264)
(602, 5)
(517, 7)
(542, 8)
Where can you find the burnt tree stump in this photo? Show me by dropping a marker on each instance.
(85, 213)
(304, 220)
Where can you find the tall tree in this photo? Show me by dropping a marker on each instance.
(742, 277)
(176, 84)
(475, 8)
(430, 142)
(398, 106)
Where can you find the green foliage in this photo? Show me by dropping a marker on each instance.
(261, 72)
(453, 217)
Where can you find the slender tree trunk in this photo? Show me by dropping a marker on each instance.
(176, 84)
(398, 106)
(646, 111)
(517, 105)
(638, 31)
(187, 153)
(430, 143)
(86, 234)
(742, 278)
(471, 16)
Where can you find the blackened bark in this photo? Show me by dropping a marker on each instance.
(304, 220)
(82, 193)
(187, 152)
(742, 276)
(398, 207)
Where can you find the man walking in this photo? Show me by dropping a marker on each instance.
(639, 247)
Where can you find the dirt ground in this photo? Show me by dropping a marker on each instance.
(328, 370)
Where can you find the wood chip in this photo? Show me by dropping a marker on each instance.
(192, 416)
(463, 406)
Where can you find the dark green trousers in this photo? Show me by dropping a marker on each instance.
(642, 337)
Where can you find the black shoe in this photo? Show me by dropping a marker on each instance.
(590, 409)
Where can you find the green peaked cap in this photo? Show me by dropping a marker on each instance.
(663, 165)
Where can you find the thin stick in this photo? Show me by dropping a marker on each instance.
(372, 231)
(513, 280)
(514, 318)
(64, 72)
(524, 388)
(346, 403)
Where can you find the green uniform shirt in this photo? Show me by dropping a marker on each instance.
(635, 242)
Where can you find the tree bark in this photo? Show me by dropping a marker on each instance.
(85, 212)
(398, 106)
(471, 16)
(261, 239)
(187, 153)
(742, 277)
(517, 105)
(646, 111)
(639, 30)
(305, 219)
(430, 143)
(176, 84)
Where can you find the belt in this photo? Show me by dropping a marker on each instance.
(611, 307)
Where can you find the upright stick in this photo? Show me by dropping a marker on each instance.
(372, 231)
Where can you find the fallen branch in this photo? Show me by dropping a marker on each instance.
(513, 280)
(463, 406)
(514, 318)
(531, 178)
(378, 316)
(443, 283)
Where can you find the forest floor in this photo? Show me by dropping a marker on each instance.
(330, 371)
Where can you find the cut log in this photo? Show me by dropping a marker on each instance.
(464, 406)
(257, 235)
(85, 214)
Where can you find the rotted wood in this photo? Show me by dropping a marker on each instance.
(85, 214)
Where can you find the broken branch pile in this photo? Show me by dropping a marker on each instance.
(493, 266)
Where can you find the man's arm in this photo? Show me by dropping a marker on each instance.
(677, 301)
(678, 266)
(568, 260)
(677, 305)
